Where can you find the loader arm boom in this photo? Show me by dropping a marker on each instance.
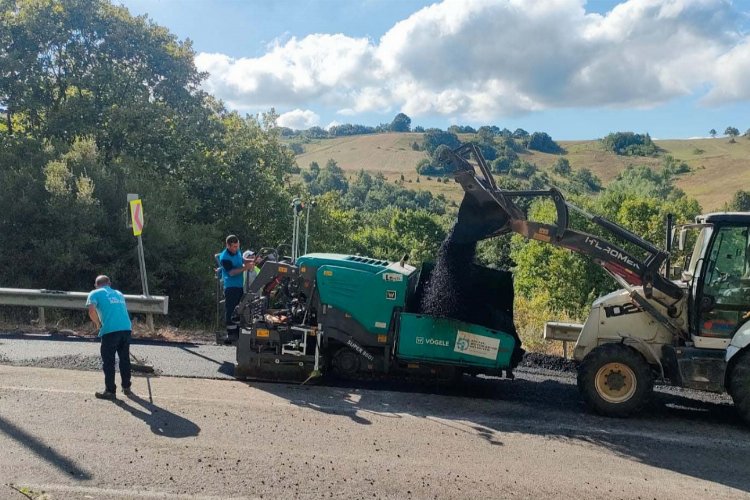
(488, 211)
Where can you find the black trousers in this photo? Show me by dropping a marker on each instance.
(232, 297)
(116, 342)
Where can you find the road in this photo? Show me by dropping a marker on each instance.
(183, 437)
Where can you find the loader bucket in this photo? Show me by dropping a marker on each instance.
(478, 221)
(484, 211)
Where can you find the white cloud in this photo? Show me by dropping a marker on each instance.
(299, 119)
(485, 58)
(324, 68)
(733, 75)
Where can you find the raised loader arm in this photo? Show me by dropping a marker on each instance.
(488, 211)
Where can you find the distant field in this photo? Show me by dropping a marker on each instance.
(719, 168)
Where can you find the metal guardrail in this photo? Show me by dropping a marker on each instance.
(566, 332)
(76, 300)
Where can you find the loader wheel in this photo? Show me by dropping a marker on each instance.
(615, 380)
(739, 385)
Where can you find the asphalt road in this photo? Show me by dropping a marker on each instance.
(183, 437)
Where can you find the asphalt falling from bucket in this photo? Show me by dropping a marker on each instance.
(460, 289)
(449, 287)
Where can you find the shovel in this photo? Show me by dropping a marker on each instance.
(137, 366)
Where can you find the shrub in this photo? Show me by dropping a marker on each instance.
(629, 144)
(540, 141)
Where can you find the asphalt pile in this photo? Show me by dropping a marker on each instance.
(548, 362)
(457, 288)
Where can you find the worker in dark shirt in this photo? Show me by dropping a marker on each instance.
(233, 266)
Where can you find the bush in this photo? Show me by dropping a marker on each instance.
(522, 168)
(673, 166)
(423, 165)
(562, 166)
(588, 179)
(629, 144)
(540, 141)
(436, 137)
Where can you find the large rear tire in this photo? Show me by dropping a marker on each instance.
(739, 385)
(615, 380)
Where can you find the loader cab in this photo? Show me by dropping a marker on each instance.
(718, 277)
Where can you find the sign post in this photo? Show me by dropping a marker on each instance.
(136, 220)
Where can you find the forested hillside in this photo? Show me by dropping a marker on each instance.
(97, 104)
(717, 168)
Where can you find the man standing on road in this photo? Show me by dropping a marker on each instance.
(109, 313)
(232, 266)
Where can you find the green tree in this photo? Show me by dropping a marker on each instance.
(740, 201)
(712, 133)
(400, 123)
(541, 141)
(629, 144)
(435, 137)
(732, 132)
(520, 133)
(103, 104)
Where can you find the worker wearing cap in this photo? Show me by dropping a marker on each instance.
(251, 273)
(109, 313)
(232, 266)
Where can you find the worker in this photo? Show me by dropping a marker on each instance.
(232, 266)
(251, 273)
(109, 313)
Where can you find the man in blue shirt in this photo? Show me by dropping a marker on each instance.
(232, 266)
(109, 313)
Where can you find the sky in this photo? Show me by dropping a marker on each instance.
(575, 69)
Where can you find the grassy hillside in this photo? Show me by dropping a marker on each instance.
(718, 168)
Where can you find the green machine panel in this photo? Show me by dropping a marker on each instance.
(444, 340)
(368, 293)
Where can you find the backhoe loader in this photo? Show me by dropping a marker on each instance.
(688, 332)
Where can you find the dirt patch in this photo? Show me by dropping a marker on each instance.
(164, 333)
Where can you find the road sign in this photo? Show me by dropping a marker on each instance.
(128, 218)
(136, 215)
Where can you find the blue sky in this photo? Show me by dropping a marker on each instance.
(571, 68)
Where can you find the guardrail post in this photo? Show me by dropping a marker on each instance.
(42, 319)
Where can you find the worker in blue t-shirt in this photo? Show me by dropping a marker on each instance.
(109, 313)
(233, 266)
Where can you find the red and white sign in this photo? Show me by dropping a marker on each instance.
(136, 216)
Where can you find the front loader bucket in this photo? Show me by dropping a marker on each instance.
(477, 221)
(484, 212)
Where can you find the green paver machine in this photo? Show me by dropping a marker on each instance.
(360, 317)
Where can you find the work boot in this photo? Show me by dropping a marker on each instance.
(105, 395)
